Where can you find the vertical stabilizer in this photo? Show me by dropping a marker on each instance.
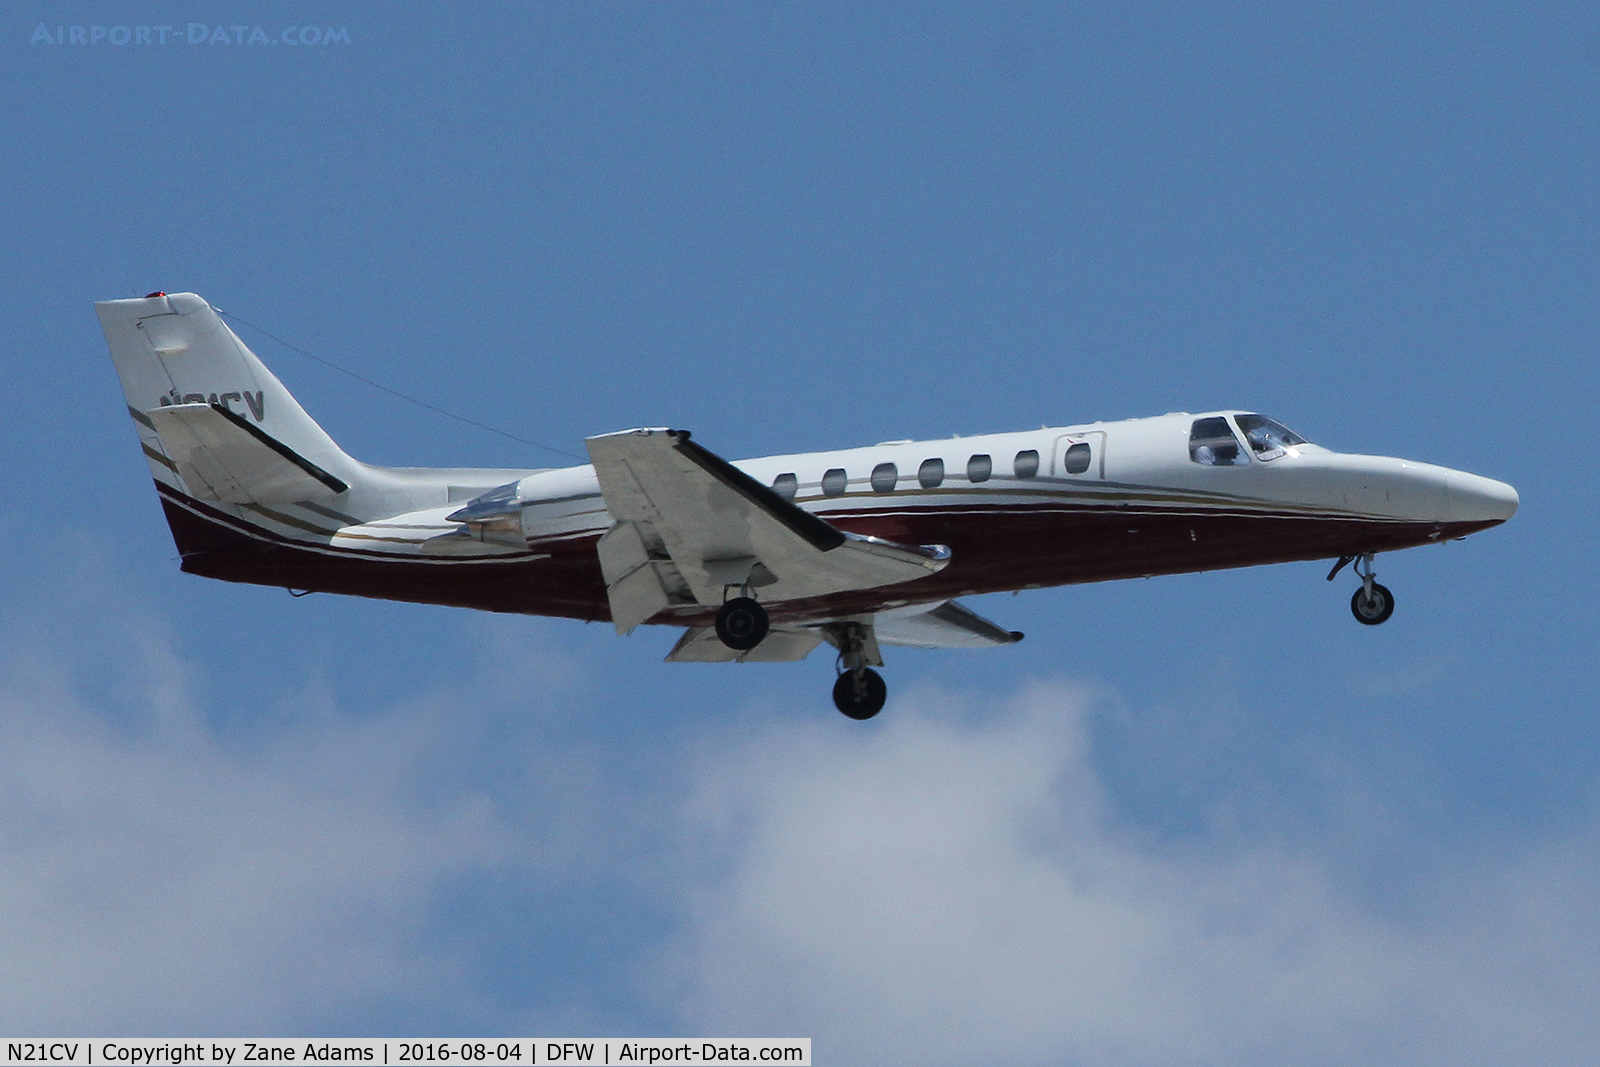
(175, 351)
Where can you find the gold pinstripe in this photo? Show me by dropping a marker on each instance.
(1098, 493)
(289, 520)
(329, 513)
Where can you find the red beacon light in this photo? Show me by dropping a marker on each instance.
(152, 296)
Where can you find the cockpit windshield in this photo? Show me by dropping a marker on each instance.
(1266, 436)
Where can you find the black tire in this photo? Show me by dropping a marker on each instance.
(1371, 611)
(860, 694)
(741, 623)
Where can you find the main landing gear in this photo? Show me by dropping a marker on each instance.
(741, 623)
(1372, 604)
(859, 691)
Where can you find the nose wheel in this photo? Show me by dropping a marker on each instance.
(1372, 604)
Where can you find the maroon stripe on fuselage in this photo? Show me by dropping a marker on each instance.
(214, 545)
(993, 549)
(1023, 546)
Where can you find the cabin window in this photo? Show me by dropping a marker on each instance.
(979, 468)
(834, 481)
(786, 485)
(1266, 435)
(884, 477)
(1076, 459)
(1212, 444)
(1026, 464)
(931, 474)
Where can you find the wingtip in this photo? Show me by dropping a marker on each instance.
(1017, 635)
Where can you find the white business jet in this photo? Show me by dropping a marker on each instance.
(763, 559)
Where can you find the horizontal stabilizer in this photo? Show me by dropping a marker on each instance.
(946, 625)
(222, 457)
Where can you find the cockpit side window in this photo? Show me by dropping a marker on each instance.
(1266, 435)
(1212, 444)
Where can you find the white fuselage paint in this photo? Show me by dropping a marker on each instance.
(1137, 461)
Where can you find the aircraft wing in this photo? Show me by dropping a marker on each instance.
(700, 644)
(942, 625)
(689, 524)
(221, 456)
(947, 625)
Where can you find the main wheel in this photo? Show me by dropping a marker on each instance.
(860, 694)
(1374, 609)
(741, 623)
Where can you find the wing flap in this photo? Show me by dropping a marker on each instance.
(640, 580)
(700, 644)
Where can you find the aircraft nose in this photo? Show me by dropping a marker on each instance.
(1477, 499)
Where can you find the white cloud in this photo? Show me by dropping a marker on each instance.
(157, 879)
(949, 888)
(944, 885)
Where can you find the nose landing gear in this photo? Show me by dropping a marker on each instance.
(1372, 604)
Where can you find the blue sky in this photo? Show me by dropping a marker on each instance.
(1205, 819)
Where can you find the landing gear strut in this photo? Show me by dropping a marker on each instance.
(859, 691)
(1372, 604)
(741, 623)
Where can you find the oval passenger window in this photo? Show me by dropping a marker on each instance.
(884, 475)
(1076, 461)
(979, 468)
(1027, 463)
(786, 485)
(931, 474)
(834, 481)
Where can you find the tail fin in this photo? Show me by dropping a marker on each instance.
(176, 352)
(239, 463)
